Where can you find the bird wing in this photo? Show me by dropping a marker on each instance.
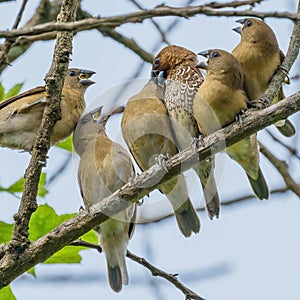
(30, 92)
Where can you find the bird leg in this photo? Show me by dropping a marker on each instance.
(239, 117)
(259, 103)
(196, 142)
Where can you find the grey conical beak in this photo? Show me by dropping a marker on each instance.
(204, 53)
(237, 29)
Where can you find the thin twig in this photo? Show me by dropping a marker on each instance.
(138, 17)
(8, 44)
(156, 25)
(282, 167)
(292, 150)
(172, 278)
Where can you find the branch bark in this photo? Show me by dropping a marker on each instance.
(38, 251)
(139, 17)
(54, 83)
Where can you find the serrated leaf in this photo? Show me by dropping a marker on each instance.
(7, 294)
(43, 220)
(66, 144)
(2, 92)
(15, 90)
(6, 231)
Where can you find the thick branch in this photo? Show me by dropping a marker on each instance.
(138, 17)
(54, 83)
(40, 250)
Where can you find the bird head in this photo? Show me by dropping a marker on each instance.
(255, 31)
(79, 78)
(222, 64)
(169, 57)
(90, 125)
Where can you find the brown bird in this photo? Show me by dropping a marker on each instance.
(219, 100)
(21, 115)
(147, 131)
(104, 167)
(259, 54)
(178, 66)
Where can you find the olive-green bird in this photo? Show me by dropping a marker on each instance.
(147, 131)
(219, 100)
(104, 167)
(259, 55)
(21, 115)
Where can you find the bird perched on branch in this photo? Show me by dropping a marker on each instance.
(21, 115)
(219, 100)
(147, 131)
(178, 66)
(104, 167)
(260, 57)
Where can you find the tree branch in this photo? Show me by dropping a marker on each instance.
(42, 249)
(172, 278)
(54, 83)
(138, 17)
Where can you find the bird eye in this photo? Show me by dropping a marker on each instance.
(249, 23)
(156, 62)
(72, 73)
(215, 54)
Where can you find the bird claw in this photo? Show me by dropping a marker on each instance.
(259, 103)
(286, 73)
(239, 117)
(140, 202)
(161, 160)
(196, 142)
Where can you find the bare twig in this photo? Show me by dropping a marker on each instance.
(234, 4)
(282, 167)
(138, 17)
(292, 150)
(172, 278)
(8, 44)
(156, 25)
(54, 83)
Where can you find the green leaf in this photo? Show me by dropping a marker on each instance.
(2, 92)
(18, 186)
(32, 272)
(7, 294)
(90, 237)
(43, 220)
(6, 231)
(42, 191)
(66, 144)
(67, 255)
(15, 90)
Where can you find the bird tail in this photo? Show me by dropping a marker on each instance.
(205, 171)
(186, 216)
(259, 186)
(285, 127)
(115, 250)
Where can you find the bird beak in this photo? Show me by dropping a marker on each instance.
(237, 29)
(241, 21)
(96, 113)
(204, 53)
(84, 77)
(202, 65)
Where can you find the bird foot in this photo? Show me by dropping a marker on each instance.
(259, 103)
(161, 160)
(286, 73)
(239, 117)
(196, 142)
(140, 202)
